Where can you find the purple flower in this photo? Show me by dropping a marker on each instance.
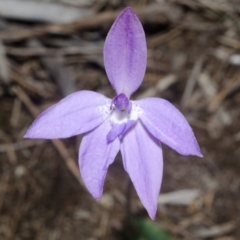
(136, 128)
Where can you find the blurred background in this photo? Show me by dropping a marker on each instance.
(50, 48)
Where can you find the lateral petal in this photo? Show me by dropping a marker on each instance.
(75, 114)
(95, 156)
(125, 53)
(142, 159)
(166, 123)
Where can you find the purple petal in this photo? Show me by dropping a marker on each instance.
(118, 130)
(142, 159)
(95, 156)
(115, 131)
(125, 53)
(75, 114)
(166, 123)
(128, 126)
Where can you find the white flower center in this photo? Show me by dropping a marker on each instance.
(119, 117)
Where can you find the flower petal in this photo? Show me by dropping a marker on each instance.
(125, 53)
(95, 156)
(142, 159)
(128, 126)
(115, 131)
(167, 124)
(118, 130)
(75, 114)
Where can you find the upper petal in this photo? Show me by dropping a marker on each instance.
(75, 114)
(125, 53)
(95, 156)
(142, 159)
(166, 123)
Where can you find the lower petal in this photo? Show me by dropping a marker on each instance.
(142, 159)
(95, 156)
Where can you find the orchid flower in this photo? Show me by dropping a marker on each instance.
(136, 128)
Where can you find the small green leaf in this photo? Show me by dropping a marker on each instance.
(149, 230)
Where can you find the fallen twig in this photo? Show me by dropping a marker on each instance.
(58, 144)
(19, 145)
(57, 71)
(41, 11)
(161, 13)
(192, 81)
(4, 71)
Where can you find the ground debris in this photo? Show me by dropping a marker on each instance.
(193, 62)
